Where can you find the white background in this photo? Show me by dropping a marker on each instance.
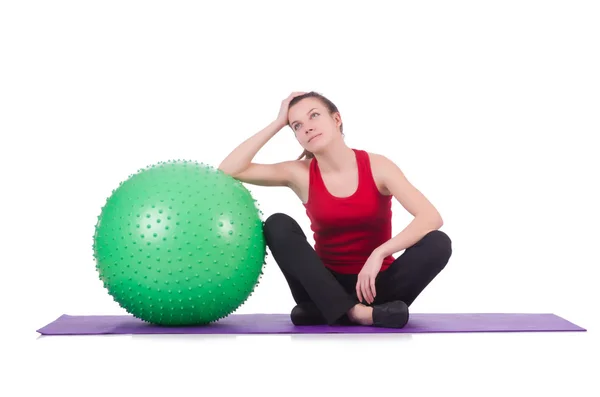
(490, 109)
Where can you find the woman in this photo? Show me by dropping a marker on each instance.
(350, 276)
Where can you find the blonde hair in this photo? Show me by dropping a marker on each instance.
(331, 108)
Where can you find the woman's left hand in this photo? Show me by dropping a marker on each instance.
(365, 285)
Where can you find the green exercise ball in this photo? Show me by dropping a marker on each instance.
(180, 243)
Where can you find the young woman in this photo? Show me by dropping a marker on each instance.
(351, 275)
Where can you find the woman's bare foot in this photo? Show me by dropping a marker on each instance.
(361, 314)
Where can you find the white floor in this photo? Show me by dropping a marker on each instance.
(475, 364)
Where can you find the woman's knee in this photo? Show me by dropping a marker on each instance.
(439, 245)
(278, 225)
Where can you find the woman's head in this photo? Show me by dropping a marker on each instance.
(315, 120)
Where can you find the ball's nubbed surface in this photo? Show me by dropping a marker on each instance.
(180, 243)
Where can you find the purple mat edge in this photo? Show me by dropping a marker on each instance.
(279, 323)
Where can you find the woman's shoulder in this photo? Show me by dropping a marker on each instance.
(303, 164)
(299, 170)
(382, 167)
(377, 159)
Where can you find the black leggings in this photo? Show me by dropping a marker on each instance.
(335, 293)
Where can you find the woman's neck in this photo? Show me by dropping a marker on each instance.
(336, 158)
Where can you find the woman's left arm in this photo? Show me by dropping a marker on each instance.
(426, 216)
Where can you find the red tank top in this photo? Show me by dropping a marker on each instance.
(347, 230)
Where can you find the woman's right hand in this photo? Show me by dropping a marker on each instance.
(285, 107)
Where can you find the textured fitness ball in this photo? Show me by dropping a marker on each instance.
(180, 243)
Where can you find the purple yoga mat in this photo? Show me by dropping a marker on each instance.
(281, 324)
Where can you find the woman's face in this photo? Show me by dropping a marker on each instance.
(312, 124)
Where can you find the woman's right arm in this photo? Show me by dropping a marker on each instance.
(239, 163)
